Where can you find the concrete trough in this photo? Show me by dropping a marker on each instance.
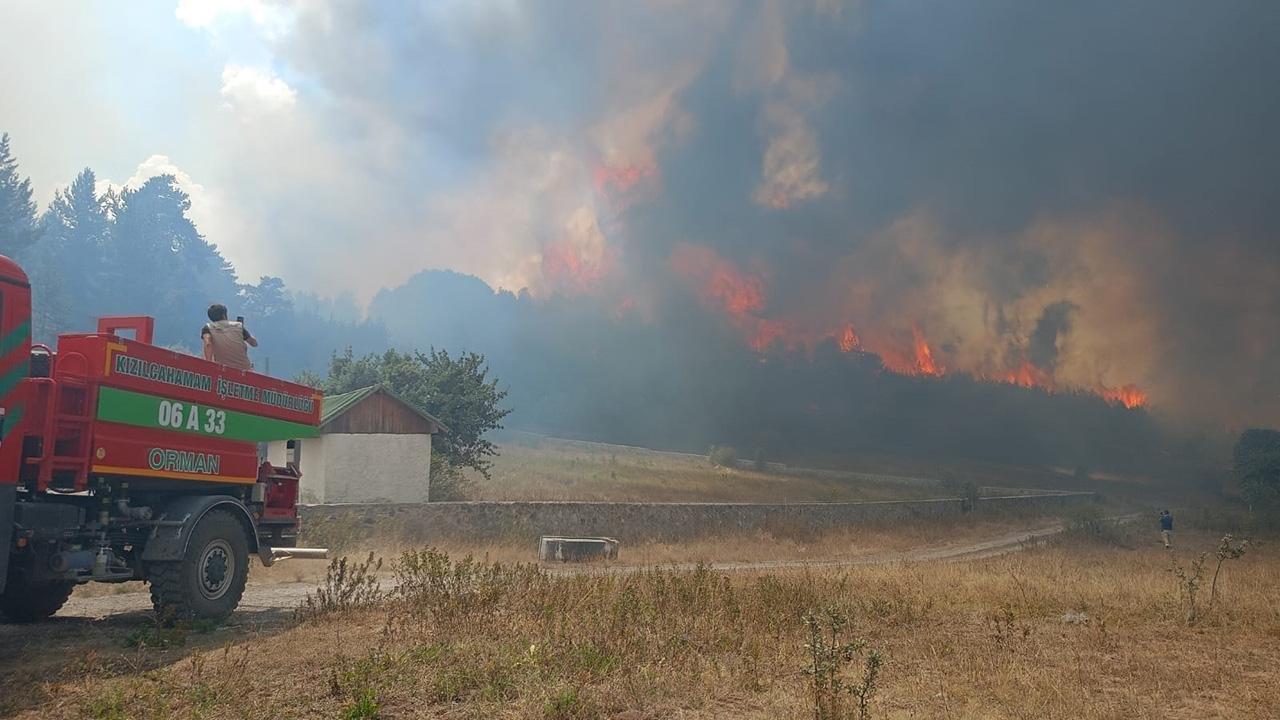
(576, 549)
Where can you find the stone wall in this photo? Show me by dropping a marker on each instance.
(637, 522)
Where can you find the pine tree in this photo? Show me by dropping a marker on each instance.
(52, 310)
(267, 300)
(17, 210)
(73, 236)
(160, 264)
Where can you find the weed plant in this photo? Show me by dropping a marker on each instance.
(348, 585)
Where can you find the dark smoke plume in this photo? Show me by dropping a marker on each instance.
(1079, 197)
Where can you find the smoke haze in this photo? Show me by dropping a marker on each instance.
(1077, 197)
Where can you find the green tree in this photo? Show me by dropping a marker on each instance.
(17, 210)
(1256, 463)
(265, 301)
(65, 264)
(158, 263)
(455, 389)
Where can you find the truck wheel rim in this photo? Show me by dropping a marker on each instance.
(216, 568)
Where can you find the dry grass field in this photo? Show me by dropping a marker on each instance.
(1091, 626)
(538, 467)
(533, 467)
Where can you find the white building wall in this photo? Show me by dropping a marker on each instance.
(369, 467)
(311, 490)
(361, 467)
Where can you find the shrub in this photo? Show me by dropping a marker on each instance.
(347, 586)
(430, 585)
(1189, 584)
(1255, 461)
(725, 456)
(829, 655)
(1229, 548)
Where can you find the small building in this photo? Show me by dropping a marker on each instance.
(373, 446)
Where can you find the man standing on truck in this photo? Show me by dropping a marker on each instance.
(226, 341)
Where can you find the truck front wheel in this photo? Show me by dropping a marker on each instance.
(209, 580)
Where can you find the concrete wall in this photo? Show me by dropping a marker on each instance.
(636, 522)
(362, 468)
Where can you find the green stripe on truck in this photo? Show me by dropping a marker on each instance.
(160, 413)
(15, 338)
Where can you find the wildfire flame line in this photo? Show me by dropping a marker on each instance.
(723, 286)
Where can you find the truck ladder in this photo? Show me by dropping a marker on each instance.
(65, 439)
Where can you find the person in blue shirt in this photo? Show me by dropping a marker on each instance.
(1166, 527)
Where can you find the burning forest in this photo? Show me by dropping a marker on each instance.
(898, 343)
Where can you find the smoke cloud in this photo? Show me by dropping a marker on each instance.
(1072, 196)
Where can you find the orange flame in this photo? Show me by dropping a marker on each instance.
(848, 339)
(924, 356)
(571, 269)
(918, 360)
(720, 283)
(1130, 396)
(1027, 375)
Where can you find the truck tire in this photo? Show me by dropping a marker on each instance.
(27, 602)
(209, 580)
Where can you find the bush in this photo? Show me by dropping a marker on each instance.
(448, 482)
(723, 456)
(429, 583)
(347, 586)
(1255, 461)
(830, 656)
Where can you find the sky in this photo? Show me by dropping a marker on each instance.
(1071, 195)
(306, 145)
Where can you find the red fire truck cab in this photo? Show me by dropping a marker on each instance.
(121, 460)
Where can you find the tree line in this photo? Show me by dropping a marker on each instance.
(135, 251)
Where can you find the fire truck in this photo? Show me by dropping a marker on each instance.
(121, 460)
